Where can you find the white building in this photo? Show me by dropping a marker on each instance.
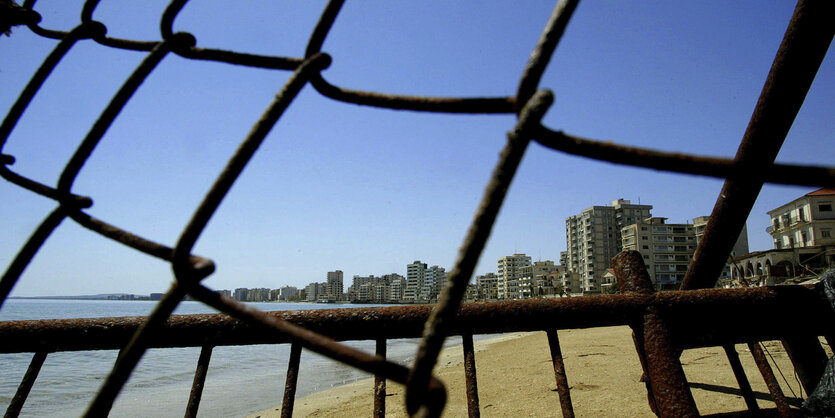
(804, 222)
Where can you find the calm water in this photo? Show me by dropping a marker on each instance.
(241, 379)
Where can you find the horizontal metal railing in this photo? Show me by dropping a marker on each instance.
(688, 309)
(693, 318)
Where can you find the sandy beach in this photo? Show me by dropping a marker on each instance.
(515, 378)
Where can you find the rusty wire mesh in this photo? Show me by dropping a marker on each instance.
(803, 48)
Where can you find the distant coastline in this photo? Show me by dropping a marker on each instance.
(154, 297)
(103, 296)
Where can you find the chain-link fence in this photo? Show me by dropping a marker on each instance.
(664, 324)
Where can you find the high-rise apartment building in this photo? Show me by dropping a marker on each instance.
(397, 284)
(509, 271)
(313, 290)
(594, 237)
(666, 248)
(434, 279)
(335, 287)
(414, 280)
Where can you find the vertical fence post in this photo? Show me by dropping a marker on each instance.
(26, 385)
(380, 384)
(290, 383)
(808, 359)
(632, 278)
(559, 374)
(470, 376)
(741, 378)
(667, 390)
(770, 380)
(199, 380)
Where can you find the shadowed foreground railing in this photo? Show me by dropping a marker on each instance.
(693, 319)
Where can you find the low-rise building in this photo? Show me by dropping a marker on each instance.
(807, 221)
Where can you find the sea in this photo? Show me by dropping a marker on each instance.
(241, 380)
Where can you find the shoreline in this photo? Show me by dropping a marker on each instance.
(515, 377)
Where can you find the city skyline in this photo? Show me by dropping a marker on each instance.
(364, 190)
(801, 229)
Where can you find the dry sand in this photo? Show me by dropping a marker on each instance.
(515, 378)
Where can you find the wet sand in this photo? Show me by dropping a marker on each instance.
(516, 378)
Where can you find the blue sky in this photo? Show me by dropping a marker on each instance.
(366, 190)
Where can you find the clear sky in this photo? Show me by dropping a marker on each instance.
(366, 190)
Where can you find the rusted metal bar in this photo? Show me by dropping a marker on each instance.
(391, 101)
(67, 199)
(238, 161)
(380, 383)
(530, 114)
(544, 50)
(669, 384)
(631, 273)
(205, 265)
(84, 31)
(431, 405)
(767, 304)
(449, 300)
(770, 380)
(470, 376)
(808, 358)
(290, 382)
(682, 163)
(15, 15)
(638, 341)
(132, 352)
(199, 381)
(559, 374)
(108, 115)
(741, 378)
(25, 255)
(632, 277)
(26, 385)
(800, 55)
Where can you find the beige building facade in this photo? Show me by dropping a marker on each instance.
(594, 237)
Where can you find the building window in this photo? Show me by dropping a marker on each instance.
(646, 247)
(825, 207)
(826, 233)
